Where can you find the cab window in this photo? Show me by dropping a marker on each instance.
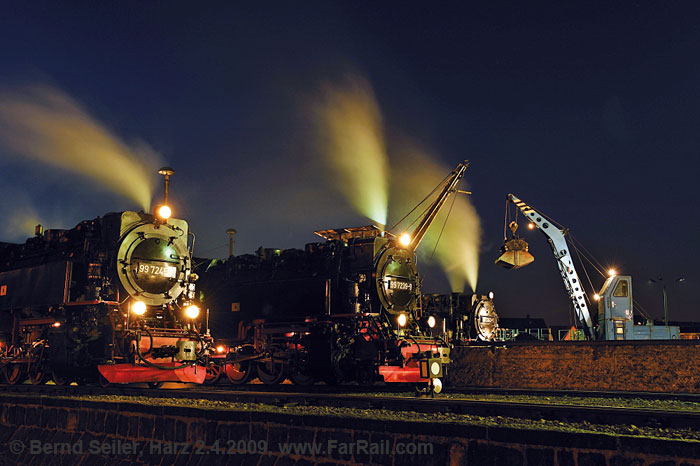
(622, 289)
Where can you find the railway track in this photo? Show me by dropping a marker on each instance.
(293, 396)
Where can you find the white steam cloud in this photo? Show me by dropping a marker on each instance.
(415, 175)
(44, 124)
(350, 142)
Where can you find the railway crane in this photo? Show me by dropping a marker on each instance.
(615, 320)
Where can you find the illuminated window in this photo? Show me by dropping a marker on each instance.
(622, 289)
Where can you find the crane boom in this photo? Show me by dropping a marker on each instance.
(557, 241)
(431, 213)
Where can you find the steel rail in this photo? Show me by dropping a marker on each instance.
(556, 412)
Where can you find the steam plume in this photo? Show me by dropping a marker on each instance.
(350, 141)
(20, 223)
(458, 248)
(42, 123)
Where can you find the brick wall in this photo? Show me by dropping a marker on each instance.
(55, 421)
(670, 366)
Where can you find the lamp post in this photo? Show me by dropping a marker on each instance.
(661, 281)
(167, 172)
(230, 232)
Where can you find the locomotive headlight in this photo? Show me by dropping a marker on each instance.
(431, 321)
(405, 239)
(192, 311)
(220, 349)
(490, 294)
(402, 320)
(435, 368)
(138, 308)
(164, 212)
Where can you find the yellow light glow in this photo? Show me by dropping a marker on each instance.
(139, 308)
(220, 349)
(402, 320)
(164, 212)
(192, 311)
(596, 297)
(612, 272)
(56, 324)
(431, 321)
(531, 226)
(405, 239)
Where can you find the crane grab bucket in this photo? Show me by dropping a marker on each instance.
(514, 254)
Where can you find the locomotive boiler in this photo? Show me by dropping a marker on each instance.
(345, 309)
(108, 300)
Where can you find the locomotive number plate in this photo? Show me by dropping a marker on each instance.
(399, 285)
(158, 270)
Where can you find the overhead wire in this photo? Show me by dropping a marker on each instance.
(600, 268)
(585, 271)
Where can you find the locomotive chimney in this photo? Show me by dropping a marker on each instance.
(38, 230)
(230, 232)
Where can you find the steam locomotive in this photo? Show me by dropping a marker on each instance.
(347, 309)
(108, 300)
(460, 318)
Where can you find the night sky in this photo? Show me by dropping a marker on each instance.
(589, 112)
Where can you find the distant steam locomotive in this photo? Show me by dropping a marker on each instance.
(108, 300)
(460, 318)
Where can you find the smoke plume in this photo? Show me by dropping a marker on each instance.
(350, 142)
(44, 124)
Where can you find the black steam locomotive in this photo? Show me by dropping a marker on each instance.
(347, 309)
(107, 300)
(460, 318)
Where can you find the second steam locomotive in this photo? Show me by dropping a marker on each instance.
(108, 300)
(347, 309)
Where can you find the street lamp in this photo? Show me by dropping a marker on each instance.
(661, 281)
(167, 172)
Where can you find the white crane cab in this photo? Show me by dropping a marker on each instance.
(615, 318)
